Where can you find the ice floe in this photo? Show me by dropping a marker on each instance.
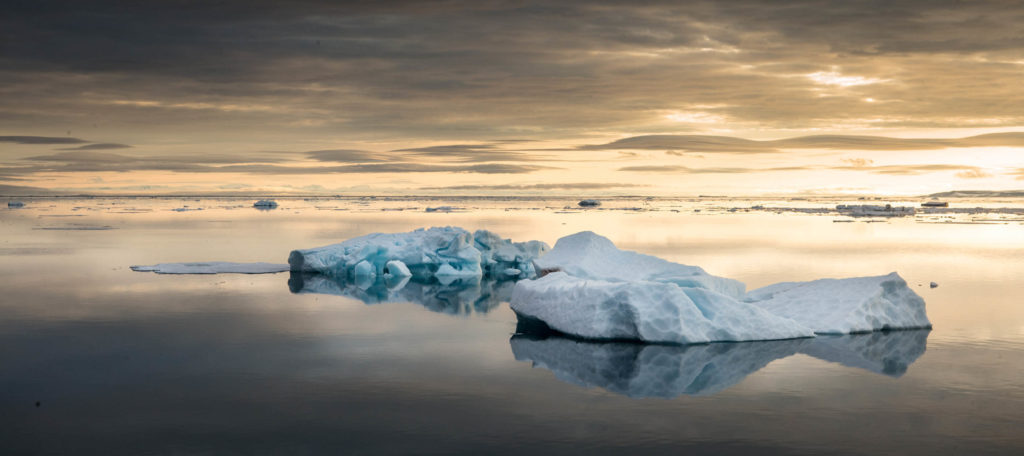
(213, 267)
(265, 204)
(594, 290)
(646, 310)
(447, 254)
(843, 306)
(15, 204)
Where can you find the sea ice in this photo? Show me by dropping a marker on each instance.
(842, 306)
(213, 267)
(265, 204)
(448, 254)
(645, 310)
(591, 256)
(15, 204)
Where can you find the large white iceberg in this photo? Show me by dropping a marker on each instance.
(843, 306)
(594, 290)
(591, 256)
(447, 253)
(646, 310)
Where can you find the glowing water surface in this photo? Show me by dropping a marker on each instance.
(125, 362)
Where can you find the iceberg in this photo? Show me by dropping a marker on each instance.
(646, 310)
(666, 371)
(589, 288)
(843, 306)
(15, 204)
(213, 267)
(265, 204)
(454, 298)
(591, 256)
(447, 254)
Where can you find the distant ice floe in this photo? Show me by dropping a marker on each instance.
(213, 267)
(593, 290)
(265, 205)
(15, 204)
(874, 210)
(589, 203)
(446, 254)
(666, 371)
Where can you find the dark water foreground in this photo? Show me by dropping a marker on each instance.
(122, 362)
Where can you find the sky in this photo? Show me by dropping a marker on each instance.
(744, 97)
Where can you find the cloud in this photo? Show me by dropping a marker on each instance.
(41, 140)
(722, 170)
(726, 144)
(467, 153)
(973, 174)
(858, 162)
(910, 170)
(548, 186)
(99, 146)
(345, 156)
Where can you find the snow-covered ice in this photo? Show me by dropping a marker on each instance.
(594, 290)
(213, 267)
(646, 310)
(591, 256)
(842, 306)
(447, 253)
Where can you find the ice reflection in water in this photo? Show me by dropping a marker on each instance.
(666, 371)
(459, 297)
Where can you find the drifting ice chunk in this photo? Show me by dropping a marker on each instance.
(265, 204)
(213, 267)
(589, 203)
(840, 306)
(644, 310)
(588, 255)
(15, 204)
(447, 253)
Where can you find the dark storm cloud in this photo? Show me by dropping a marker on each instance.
(99, 146)
(41, 140)
(453, 71)
(725, 144)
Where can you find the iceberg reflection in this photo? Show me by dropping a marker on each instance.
(645, 370)
(458, 297)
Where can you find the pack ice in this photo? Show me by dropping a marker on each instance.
(591, 289)
(447, 254)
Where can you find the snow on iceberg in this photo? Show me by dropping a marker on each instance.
(591, 256)
(645, 310)
(447, 254)
(212, 267)
(843, 306)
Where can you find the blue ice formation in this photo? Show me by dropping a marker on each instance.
(447, 254)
